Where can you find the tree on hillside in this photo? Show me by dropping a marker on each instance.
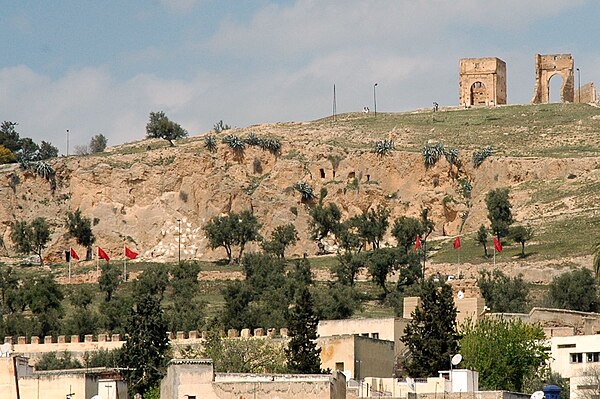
(80, 227)
(503, 294)
(431, 336)
(44, 298)
(29, 151)
(109, 280)
(596, 264)
(382, 262)
(281, 238)
(98, 143)
(499, 211)
(20, 235)
(348, 266)
(47, 151)
(31, 237)
(187, 310)
(372, 225)
(244, 355)
(233, 229)
(406, 230)
(6, 155)
(9, 138)
(521, 234)
(505, 353)
(325, 219)
(160, 127)
(144, 355)
(302, 352)
(575, 290)
(153, 281)
(40, 235)
(482, 238)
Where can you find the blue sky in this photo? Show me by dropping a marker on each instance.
(101, 66)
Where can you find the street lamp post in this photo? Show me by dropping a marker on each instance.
(67, 142)
(179, 241)
(579, 86)
(375, 99)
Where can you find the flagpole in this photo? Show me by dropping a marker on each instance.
(97, 267)
(424, 256)
(124, 265)
(494, 255)
(70, 250)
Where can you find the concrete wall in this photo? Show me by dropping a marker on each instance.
(361, 356)
(466, 308)
(388, 329)
(558, 321)
(196, 378)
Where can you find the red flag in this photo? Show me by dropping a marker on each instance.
(456, 243)
(418, 243)
(102, 254)
(74, 254)
(497, 244)
(130, 254)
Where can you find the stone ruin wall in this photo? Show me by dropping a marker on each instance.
(482, 81)
(547, 66)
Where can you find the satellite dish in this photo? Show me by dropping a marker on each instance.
(537, 395)
(460, 294)
(96, 397)
(457, 359)
(411, 383)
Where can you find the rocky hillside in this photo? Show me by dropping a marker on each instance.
(548, 155)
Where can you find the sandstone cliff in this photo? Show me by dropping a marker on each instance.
(135, 193)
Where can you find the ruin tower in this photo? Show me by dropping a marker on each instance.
(482, 81)
(548, 65)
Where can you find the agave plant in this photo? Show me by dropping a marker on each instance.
(305, 190)
(270, 144)
(210, 143)
(451, 155)
(234, 142)
(481, 155)
(384, 147)
(432, 153)
(44, 170)
(252, 139)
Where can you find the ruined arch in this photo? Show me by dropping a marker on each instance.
(479, 94)
(547, 66)
(482, 81)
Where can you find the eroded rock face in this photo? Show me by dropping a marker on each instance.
(136, 195)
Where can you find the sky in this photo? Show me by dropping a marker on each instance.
(102, 66)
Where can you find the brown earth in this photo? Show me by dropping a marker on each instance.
(136, 193)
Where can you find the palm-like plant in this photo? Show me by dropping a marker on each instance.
(481, 155)
(432, 153)
(234, 142)
(451, 155)
(305, 190)
(384, 147)
(210, 143)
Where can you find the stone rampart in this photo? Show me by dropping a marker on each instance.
(34, 347)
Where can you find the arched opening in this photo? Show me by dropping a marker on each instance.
(322, 171)
(478, 94)
(554, 88)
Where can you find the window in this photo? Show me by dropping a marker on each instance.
(339, 366)
(563, 346)
(375, 335)
(593, 357)
(576, 357)
(322, 173)
(365, 335)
